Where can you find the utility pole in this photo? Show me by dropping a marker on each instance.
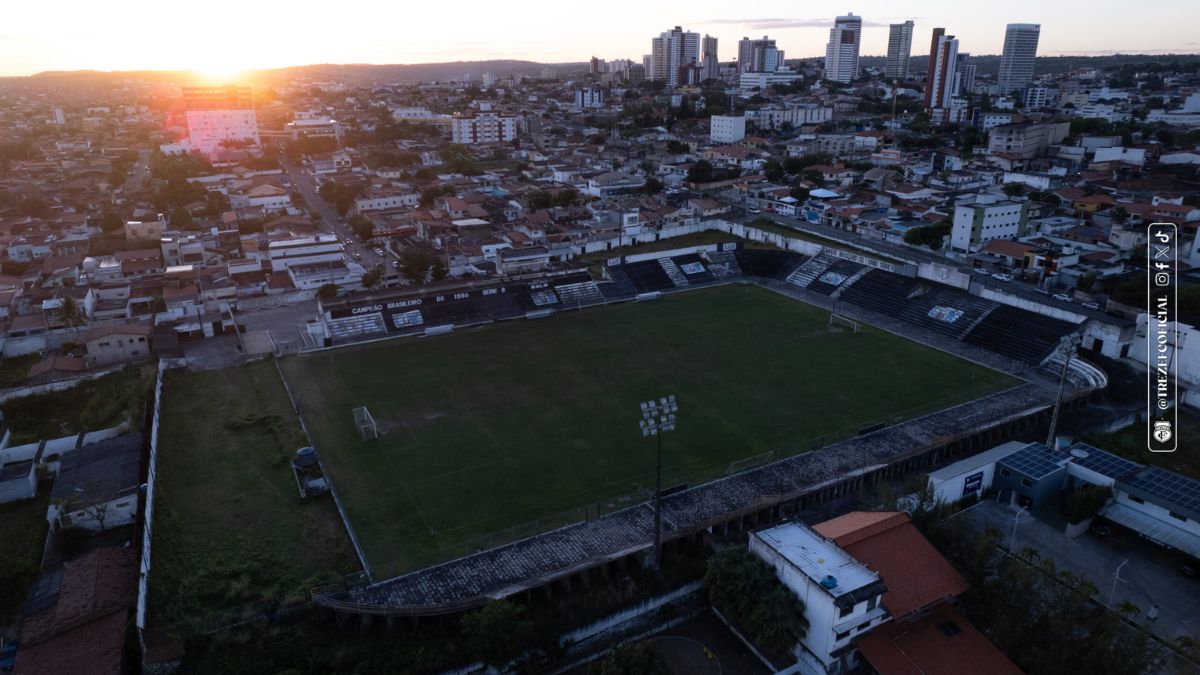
(1116, 577)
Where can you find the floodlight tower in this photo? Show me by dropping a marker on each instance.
(658, 417)
(1068, 345)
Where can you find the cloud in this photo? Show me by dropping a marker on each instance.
(780, 24)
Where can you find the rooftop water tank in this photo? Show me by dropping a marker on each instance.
(829, 581)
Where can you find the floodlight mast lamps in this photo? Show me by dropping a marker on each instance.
(658, 417)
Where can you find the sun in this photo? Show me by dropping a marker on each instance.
(220, 71)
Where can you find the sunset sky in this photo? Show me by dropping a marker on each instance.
(224, 36)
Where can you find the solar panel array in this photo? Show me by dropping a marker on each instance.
(1104, 463)
(1035, 460)
(1168, 486)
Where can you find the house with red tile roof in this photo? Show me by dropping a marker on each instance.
(876, 595)
(83, 629)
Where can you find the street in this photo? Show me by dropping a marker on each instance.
(1150, 576)
(330, 223)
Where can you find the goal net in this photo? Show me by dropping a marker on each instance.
(365, 423)
(839, 320)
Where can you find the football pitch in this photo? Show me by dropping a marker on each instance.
(494, 430)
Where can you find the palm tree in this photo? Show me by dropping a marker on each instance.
(72, 314)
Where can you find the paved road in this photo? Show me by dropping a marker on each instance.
(330, 222)
(1151, 577)
(139, 173)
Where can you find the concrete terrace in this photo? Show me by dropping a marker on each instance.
(832, 470)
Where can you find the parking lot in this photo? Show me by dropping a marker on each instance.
(1151, 576)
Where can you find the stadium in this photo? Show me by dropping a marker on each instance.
(494, 449)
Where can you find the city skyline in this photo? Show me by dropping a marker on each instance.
(76, 35)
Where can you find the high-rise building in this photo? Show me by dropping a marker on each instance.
(596, 66)
(1016, 62)
(965, 81)
(216, 115)
(710, 65)
(673, 55)
(939, 79)
(899, 51)
(759, 56)
(841, 54)
(484, 126)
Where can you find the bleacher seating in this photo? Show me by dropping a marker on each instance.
(951, 301)
(579, 294)
(673, 272)
(452, 311)
(1018, 334)
(768, 263)
(693, 268)
(881, 292)
(356, 326)
(500, 306)
(723, 265)
(543, 298)
(620, 288)
(649, 276)
(834, 277)
(809, 271)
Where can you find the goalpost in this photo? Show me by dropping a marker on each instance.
(839, 319)
(365, 423)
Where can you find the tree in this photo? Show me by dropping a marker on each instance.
(631, 658)
(773, 171)
(497, 632)
(1013, 189)
(327, 291)
(372, 277)
(677, 147)
(111, 221)
(653, 186)
(439, 270)
(72, 314)
(362, 226)
(181, 219)
(701, 172)
(747, 590)
(415, 263)
(932, 236)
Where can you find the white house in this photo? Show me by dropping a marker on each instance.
(841, 595)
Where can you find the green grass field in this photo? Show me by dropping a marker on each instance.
(493, 427)
(230, 529)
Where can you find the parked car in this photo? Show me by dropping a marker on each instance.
(1002, 277)
(1188, 570)
(1063, 297)
(1100, 529)
(754, 210)
(1042, 291)
(378, 251)
(980, 270)
(1092, 305)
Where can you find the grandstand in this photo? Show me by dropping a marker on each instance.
(944, 310)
